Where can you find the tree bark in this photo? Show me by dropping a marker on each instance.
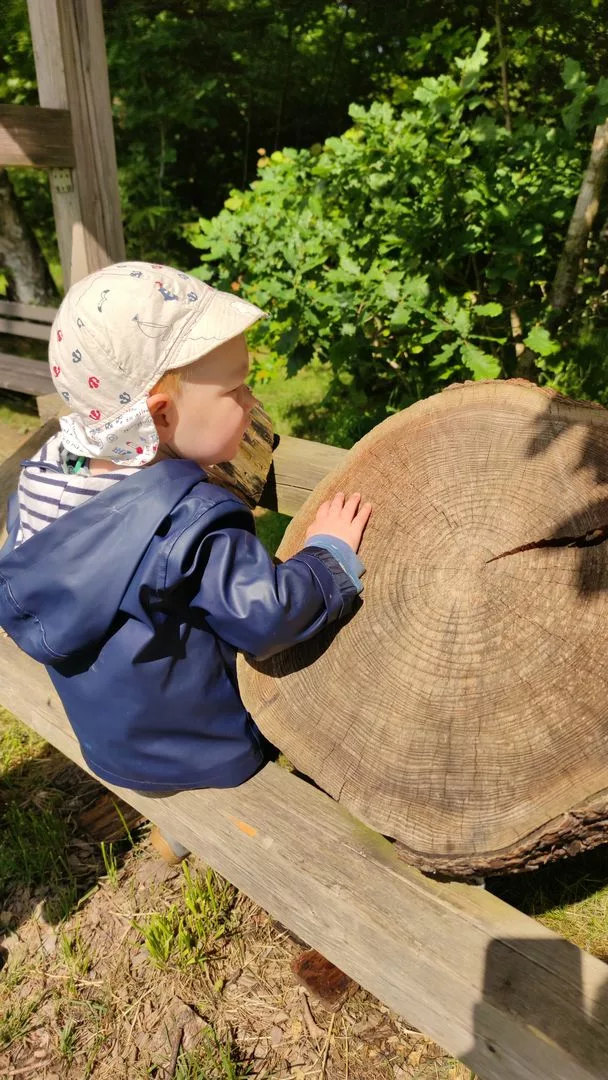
(29, 279)
(582, 220)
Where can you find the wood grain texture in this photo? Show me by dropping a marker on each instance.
(25, 376)
(35, 136)
(499, 991)
(462, 710)
(37, 313)
(298, 466)
(10, 468)
(71, 68)
(22, 328)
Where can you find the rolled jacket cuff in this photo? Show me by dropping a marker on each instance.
(342, 553)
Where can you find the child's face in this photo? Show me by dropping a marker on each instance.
(210, 414)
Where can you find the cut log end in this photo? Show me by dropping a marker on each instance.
(461, 710)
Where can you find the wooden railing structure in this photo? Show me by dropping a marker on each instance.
(508, 997)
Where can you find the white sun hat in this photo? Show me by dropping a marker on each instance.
(114, 335)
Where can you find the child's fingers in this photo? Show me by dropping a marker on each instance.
(363, 515)
(337, 503)
(350, 506)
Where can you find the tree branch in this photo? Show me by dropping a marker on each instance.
(503, 67)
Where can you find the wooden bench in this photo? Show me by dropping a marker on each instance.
(21, 373)
(503, 994)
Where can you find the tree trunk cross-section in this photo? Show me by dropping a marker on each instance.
(463, 708)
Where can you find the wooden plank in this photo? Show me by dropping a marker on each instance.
(51, 406)
(71, 68)
(498, 990)
(24, 376)
(25, 329)
(35, 136)
(10, 468)
(36, 312)
(299, 465)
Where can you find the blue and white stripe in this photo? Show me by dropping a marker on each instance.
(46, 492)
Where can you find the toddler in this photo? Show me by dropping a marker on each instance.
(126, 572)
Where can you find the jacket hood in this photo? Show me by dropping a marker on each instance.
(60, 590)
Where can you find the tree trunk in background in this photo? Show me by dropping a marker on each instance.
(29, 279)
(504, 75)
(582, 219)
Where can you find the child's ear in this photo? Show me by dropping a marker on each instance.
(163, 412)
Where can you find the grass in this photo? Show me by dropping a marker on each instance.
(110, 862)
(570, 897)
(213, 1059)
(76, 955)
(18, 412)
(286, 399)
(17, 1020)
(35, 836)
(18, 745)
(67, 1043)
(270, 527)
(187, 933)
(33, 853)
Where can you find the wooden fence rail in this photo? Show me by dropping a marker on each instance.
(34, 136)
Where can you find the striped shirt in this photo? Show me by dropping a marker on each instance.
(47, 491)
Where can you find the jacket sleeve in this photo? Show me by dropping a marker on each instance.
(253, 604)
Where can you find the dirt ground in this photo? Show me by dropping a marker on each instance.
(87, 997)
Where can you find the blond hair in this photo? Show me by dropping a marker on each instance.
(169, 383)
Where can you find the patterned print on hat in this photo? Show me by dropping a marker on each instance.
(115, 334)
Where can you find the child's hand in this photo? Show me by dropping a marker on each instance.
(343, 518)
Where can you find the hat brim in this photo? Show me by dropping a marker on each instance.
(219, 318)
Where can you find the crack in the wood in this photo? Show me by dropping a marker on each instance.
(589, 539)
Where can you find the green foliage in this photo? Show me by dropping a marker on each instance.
(197, 88)
(67, 1042)
(187, 933)
(17, 1020)
(213, 1059)
(33, 851)
(75, 953)
(396, 252)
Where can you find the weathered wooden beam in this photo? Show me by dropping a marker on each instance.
(10, 468)
(24, 376)
(298, 466)
(38, 313)
(72, 74)
(22, 328)
(35, 136)
(496, 989)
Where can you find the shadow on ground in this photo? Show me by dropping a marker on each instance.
(60, 832)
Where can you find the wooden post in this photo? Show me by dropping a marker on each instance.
(72, 73)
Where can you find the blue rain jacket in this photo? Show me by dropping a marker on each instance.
(137, 602)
